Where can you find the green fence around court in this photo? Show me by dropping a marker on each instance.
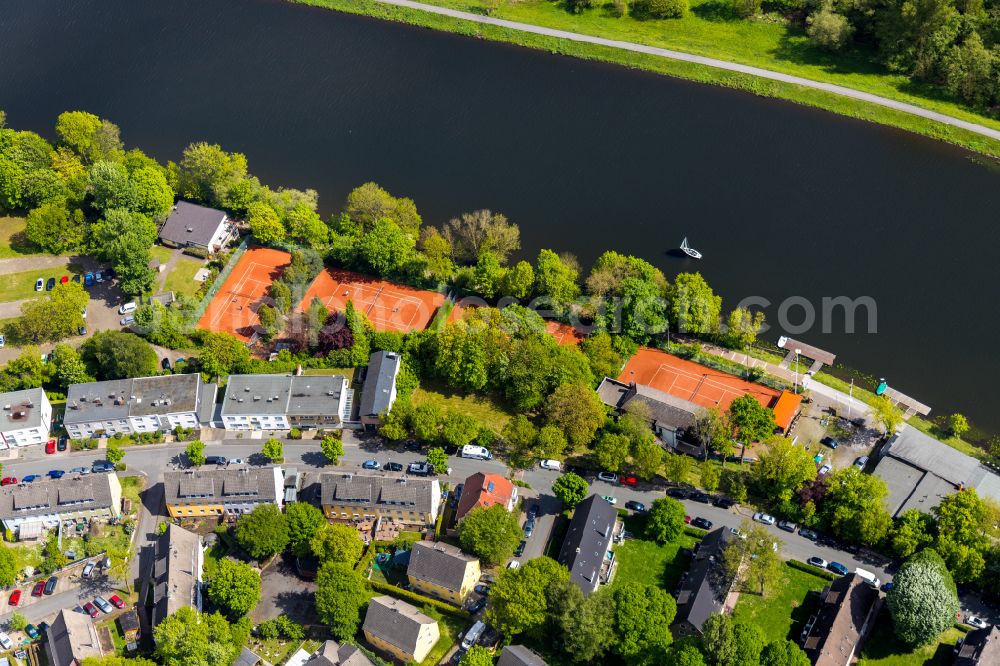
(221, 279)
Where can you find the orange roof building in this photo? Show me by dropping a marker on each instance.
(485, 490)
(785, 409)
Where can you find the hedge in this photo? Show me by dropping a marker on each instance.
(419, 599)
(366, 559)
(808, 568)
(695, 532)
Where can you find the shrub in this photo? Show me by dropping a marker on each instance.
(294, 433)
(829, 30)
(808, 568)
(746, 9)
(666, 8)
(419, 599)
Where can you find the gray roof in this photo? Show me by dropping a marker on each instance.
(25, 409)
(980, 648)
(587, 541)
(332, 653)
(175, 578)
(214, 486)
(844, 609)
(365, 490)
(247, 657)
(703, 591)
(519, 655)
(190, 223)
(383, 367)
(927, 453)
(439, 564)
(206, 409)
(664, 409)
(306, 395)
(46, 496)
(141, 396)
(73, 637)
(395, 622)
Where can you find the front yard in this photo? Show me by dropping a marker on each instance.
(883, 648)
(649, 563)
(482, 408)
(786, 607)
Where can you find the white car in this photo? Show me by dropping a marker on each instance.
(764, 518)
(237, 461)
(610, 477)
(825, 469)
(3, 341)
(609, 499)
(735, 531)
(977, 622)
(513, 564)
(550, 464)
(39, 284)
(5, 641)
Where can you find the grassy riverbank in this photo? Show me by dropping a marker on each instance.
(758, 43)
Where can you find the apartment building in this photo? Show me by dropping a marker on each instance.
(26, 418)
(282, 402)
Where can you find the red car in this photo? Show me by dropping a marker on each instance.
(37, 590)
(50, 446)
(64, 279)
(117, 601)
(8, 480)
(630, 481)
(687, 519)
(91, 609)
(15, 598)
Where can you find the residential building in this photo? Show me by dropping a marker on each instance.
(519, 655)
(443, 571)
(330, 653)
(72, 637)
(28, 508)
(139, 405)
(176, 576)
(399, 629)
(282, 402)
(379, 392)
(194, 226)
(485, 490)
(920, 471)
(980, 647)
(26, 418)
(586, 550)
(222, 492)
(848, 607)
(351, 496)
(669, 415)
(703, 590)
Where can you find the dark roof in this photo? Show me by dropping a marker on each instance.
(192, 224)
(247, 657)
(176, 572)
(332, 653)
(141, 396)
(380, 382)
(845, 606)
(979, 648)
(519, 655)
(587, 541)
(395, 622)
(47, 496)
(21, 409)
(129, 620)
(703, 591)
(664, 409)
(364, 490)
(439, 564)
(214, 486)
(305, 395)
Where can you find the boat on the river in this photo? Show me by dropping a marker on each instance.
(688, 250)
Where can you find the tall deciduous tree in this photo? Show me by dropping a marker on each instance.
(332, 448)
(520, 598)
(666, 520)
(234, 586)
(55, 228)
(195, 452)
(369, 203)
(753, 557)
(577, 410)
(479, 231)
(386, 249)
(571, 489)
(643, 614)
(209, 174)
(694, 307)
(853, 506)
(340, 594)
(886, 414)
(492, 533)
(263, 532)
(304, 521)
(784, 468)
(923, 601)
(612, 451)
(962, 520)
(750, 421)
(265, 225)
(118, 355)
(55, 315)
(555, 278)
(337, 543)
(586, 624)
(742, 327)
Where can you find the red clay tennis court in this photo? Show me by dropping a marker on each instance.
(234, 308)
(691, 381)
(563, 333)
(389, 307)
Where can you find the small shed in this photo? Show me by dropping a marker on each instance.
(129, 623)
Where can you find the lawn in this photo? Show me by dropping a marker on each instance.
(649, 563)
(12, 240)
(132, 486)
(479, 407)
(883, 648)
(160, 253)
(450, 628)
(180, 279)
(17, 286)
(783, 611)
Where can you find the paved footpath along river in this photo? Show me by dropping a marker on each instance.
(783, 200)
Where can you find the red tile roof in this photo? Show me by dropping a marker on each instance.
(484, 490)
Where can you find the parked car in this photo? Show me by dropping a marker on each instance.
(533, 512)
(701, 523)
(116, 601)
(37, 590)
(763, 518)
(64, 279)
(419, 469)
(102, 467)
(550, 464)
(724, 502)
(513, 564)
(98, 277)
(638, 507)
(808, 534)
(91, 609)
(609, 499)
(860, 462)
(3, 341)
(89, 569)
(610, 477)
(76, 278)
(50, 284)
(817, 562)
(482, 589)
(50, 446)
(15, 598)
(687, 519)
(829, 441)
(519, 551)
(56, 473)
(824, 470)
(165, 363)
(81, 330)
(677, 493)
(838, 568)
(30, 478)
(529, 528)
(735, 531)
(210, 460)
(63, 443)
(39, 284)
(80, 470)
(127, 321)
(32, 632)
(103, 604)
(5, 641)
(370, 464)
(787, 525)
(88, 279)
(8, 480)
(630, 480)
(393, 467)
(704, 498)
(478, 606)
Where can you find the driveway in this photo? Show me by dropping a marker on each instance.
(549, 509)
(284, 593)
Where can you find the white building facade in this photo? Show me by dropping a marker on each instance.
(26, 419)
(282, 402)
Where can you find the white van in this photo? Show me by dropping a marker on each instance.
(871, 578)
(126, 308)
(473, 451)
(473, 634)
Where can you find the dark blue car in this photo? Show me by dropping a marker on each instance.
(29, 478)
(56, 473)
(838, 568)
